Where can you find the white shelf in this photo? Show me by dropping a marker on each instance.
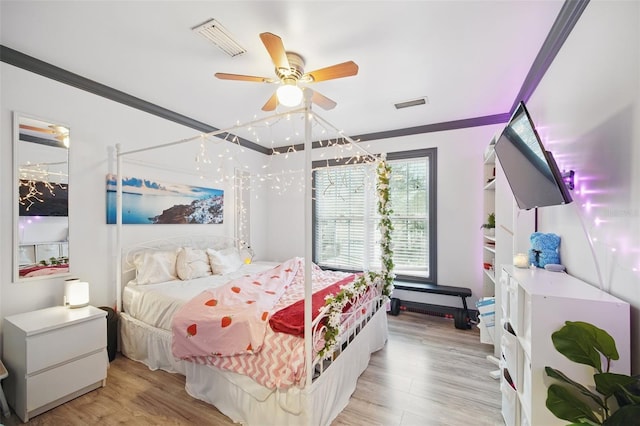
(536, 303)
(489, 287)
(490, 157)
(490, 186)
(525, 406)
(491, 274)
(525, 344)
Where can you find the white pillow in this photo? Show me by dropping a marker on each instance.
(155, 266)
(192, 263)
(224, 261)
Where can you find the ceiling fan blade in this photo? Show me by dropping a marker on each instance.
(322, 101)
(271, 104)
(345, 69)
(274, 46)
(37, 129)
(240, 77)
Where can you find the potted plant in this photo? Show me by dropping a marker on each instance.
(490, 225)
(616, 399)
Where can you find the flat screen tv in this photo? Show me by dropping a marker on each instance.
(531, 171)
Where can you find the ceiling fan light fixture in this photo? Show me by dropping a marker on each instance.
(289, 94)
(218, 35)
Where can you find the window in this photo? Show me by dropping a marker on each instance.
(345, 219)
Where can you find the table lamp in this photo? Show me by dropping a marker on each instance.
(76, 293)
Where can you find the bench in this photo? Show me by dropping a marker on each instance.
(461, 316)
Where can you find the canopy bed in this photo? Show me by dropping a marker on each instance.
(281, 341)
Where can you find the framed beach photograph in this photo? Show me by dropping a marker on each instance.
(146, 201)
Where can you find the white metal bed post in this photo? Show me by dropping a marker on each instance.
(308, 223)
(118, 229)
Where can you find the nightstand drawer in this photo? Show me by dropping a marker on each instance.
(60, 345)
(60, 382)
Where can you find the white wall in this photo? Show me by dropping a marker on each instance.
(459, 216)
(587, 109)
(97, 124)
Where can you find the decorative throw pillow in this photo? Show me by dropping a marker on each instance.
(192, 263)
(224, 261)
(155, 266)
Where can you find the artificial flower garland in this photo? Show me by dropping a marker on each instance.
(382, 279)
(386, 226)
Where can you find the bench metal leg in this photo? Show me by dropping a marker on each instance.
(461, 319)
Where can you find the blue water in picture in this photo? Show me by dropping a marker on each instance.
(142, 208)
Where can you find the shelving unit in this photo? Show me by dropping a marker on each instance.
(511, 235)
(534, 304)
(487, 329)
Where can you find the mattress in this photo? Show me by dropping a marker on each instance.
(155, 304)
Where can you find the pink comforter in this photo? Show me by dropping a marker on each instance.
(231, 319)
(280, 363)
(39, 270)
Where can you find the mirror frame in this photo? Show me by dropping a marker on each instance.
(17, 117)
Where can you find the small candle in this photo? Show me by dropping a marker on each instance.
(521, 260)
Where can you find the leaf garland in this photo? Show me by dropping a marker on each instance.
(385, 226)
(382, 280)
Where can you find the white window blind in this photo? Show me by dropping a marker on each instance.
(343, 216)
(345, 219)
(409, 195)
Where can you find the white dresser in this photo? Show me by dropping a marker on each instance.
(535, 303)
(53, 355)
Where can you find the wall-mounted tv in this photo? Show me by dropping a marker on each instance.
(531, 171)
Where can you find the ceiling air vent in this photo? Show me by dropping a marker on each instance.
(414, 102)
(218, 35)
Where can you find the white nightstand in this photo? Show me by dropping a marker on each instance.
(53, 355)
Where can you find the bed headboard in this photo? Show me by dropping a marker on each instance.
(202, 241)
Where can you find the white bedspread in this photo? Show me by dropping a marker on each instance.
(155, 304)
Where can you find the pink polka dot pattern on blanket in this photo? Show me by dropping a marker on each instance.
(231, 319)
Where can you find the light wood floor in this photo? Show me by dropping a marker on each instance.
(429, 373)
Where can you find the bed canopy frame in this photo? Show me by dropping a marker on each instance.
(362, 155)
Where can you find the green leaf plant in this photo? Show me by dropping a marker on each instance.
(491, 221)
(616, 400)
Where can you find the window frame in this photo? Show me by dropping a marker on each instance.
(432, 155)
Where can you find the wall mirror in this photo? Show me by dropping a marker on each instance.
(41, 207)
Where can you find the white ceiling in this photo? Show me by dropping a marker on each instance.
(469, 58)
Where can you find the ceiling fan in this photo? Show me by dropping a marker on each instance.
(290, 72)
(59, 133)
